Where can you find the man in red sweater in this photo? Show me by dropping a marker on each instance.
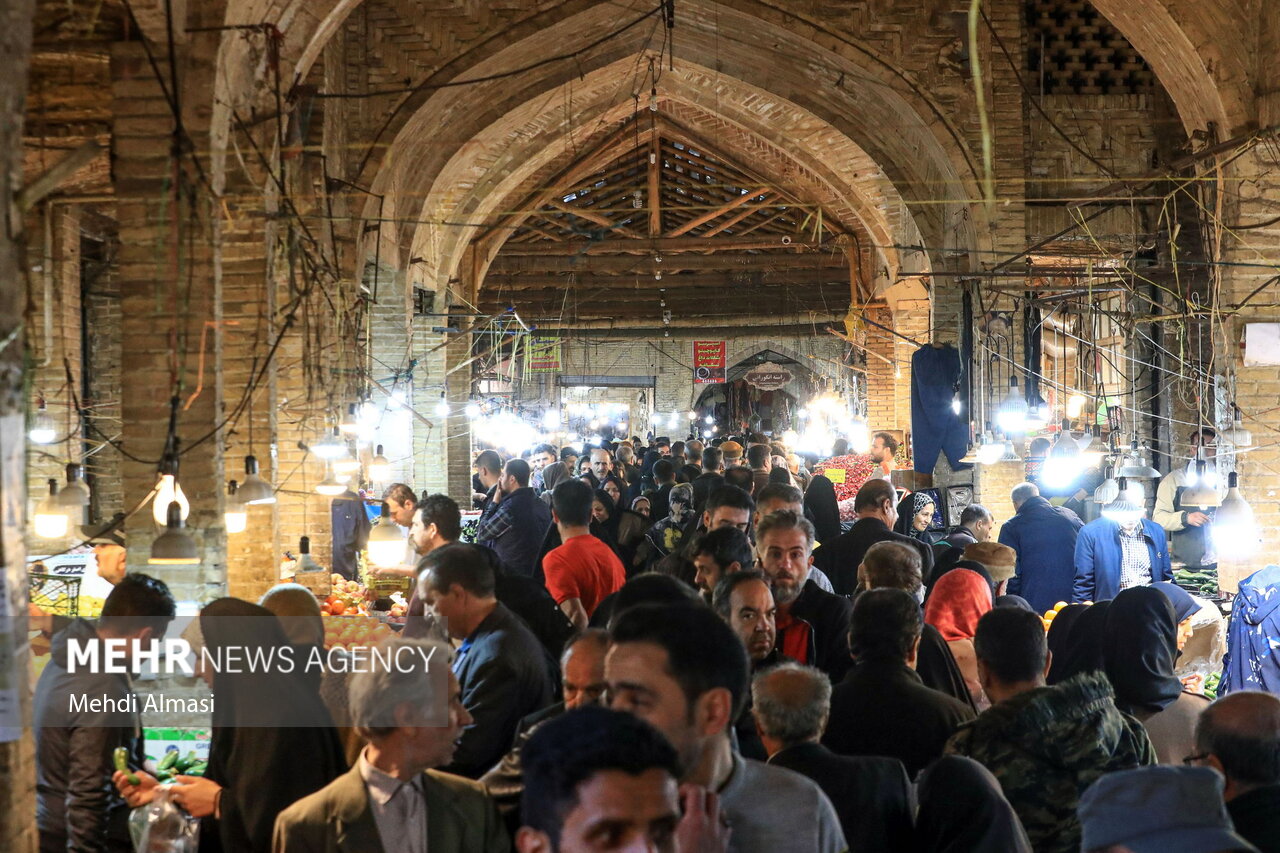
(582, 571)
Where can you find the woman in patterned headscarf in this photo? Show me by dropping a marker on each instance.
(915, 515)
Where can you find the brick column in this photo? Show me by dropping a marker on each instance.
(1257, 387)
(168, 305)
(17, 757)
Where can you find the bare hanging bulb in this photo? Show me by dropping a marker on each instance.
(653, 99)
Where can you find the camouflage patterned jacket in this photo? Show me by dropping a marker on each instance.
(1046, 746)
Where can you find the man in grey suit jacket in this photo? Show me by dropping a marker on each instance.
(505, 673)
(410, 714)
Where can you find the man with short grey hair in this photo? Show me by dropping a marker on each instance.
(812, 623)
(407, 705)
(872, 795)
(1044, 538)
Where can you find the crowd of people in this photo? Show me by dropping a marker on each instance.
(678, 647)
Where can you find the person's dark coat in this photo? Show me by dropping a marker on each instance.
(1081, 650)
(961, 537)
(822, 508)
(937, 667)
(872, 795)
(660, 502)
(840, 558)
(703, 485)
(1139, 647)
(1256, 816)
(882, 708)
(504, 675)
(514, 528)
(1044, 537)
(828, 616)
(504, 781)
(77, 807)
(1047, 746)
(273, 740)
(963, 810)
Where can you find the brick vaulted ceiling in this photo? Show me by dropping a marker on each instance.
(659, 220)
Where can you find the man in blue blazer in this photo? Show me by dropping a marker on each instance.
(1112, 555)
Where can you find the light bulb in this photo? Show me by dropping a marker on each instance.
(551, 419)
(345, 468)
(329, 446)
(386, 543)
(168, 491)
(472, 410)
(442, 407)
(955, 403)
(255, 490)
(174, 547)
(379, 467)
(306, 563)
(331, 485)
(708, 420)
(350, 425)
(235, 518)
(74, 496)
(1234, 529)
(1012, 415)
(1075, 405)
(42, 430)
(50, 520)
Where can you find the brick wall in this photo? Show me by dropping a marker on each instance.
(53, 254)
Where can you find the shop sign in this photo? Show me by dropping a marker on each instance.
(542, 355)
(768, 376)
(708, 362)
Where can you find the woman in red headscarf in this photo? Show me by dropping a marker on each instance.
(958, 601)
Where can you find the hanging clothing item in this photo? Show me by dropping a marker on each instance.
(935, 427)
(1253, 635)
(350, 532)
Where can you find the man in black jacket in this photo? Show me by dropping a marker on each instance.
(812, 623)
(515, 523)
(664, 479)
(872, 796)
(881, 707)
(503, 670)
(1239, 736)
(582, 674)
(711, 478)
(77, 807)
(893, 565)
(876, 507)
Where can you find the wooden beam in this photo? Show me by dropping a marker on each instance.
(507, 263)
(732, 221)
(666, 245)
(753, 320)
(563, 181)
(591, 216)
(699, 278)
(718, 212)
(48, 181)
